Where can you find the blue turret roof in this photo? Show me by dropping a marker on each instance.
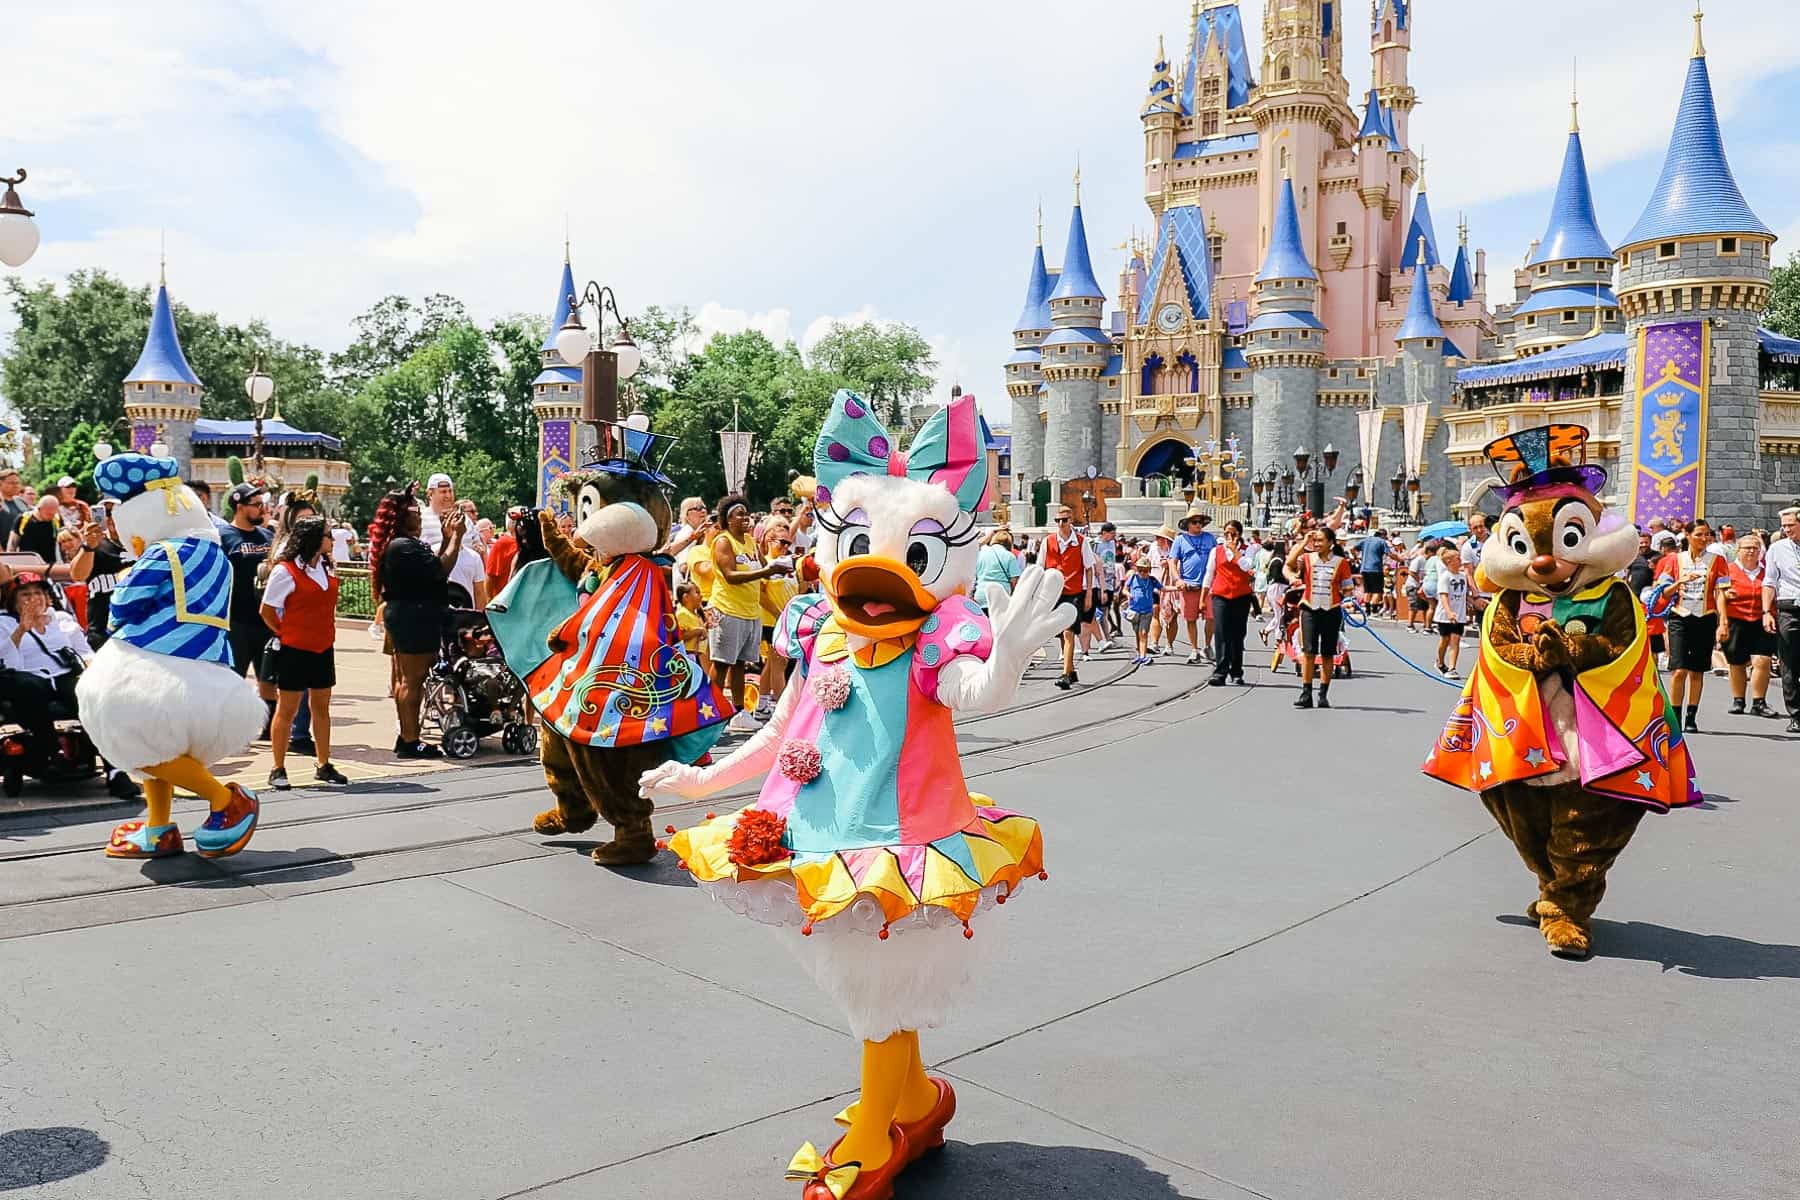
(565, 289)
(1462, 281)
(1401, 9)
(1077, 280)
(1421, 321)
(1420, 227)
(1583, 296)
(1276, 320)
(1574, 231)
(1183, 234)
(1697, 193)
(1375, 123)
(1287, 251)
(1226, 24)
(1036, 313)
(162, 360)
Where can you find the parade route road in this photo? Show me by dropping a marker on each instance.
(1272, 960)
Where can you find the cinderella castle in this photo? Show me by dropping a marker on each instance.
(1296, 283)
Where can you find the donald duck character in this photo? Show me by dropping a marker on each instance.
(865, 844)
(160, 699)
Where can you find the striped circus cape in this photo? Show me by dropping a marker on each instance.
(176, 600)
(617, 675)
(1629, 735)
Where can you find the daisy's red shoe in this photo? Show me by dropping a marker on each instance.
(827, 1179)
(927, 1133)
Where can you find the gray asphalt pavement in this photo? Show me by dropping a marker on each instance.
(1271, 960)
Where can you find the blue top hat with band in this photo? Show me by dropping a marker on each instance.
(630, 449)
(124, 476)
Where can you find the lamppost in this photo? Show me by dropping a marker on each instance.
(601, 369)
(1264, 484)
(260, 387)
(1413, 485)
(1314, 474)
(18, 232)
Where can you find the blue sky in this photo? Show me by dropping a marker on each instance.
(771, 166)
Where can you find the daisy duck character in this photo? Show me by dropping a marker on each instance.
(160, 699)
(866, 844)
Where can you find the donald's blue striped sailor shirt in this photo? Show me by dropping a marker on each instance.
(176, 600)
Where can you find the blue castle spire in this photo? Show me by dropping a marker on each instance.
(1421, 321)
(1697, 193)
(1375, 119)
(565, 288)
(1225, 24)
(1036, 313)
(1287, 251)
(1462, 280)
(1420, 228)
(1183, 236)
(1399, 10)
(1574, 230)
(162, 360)
(1077, 281)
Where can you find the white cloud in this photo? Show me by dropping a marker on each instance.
(813, 159)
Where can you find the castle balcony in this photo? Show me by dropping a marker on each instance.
(1472, 429)
(1778, 422)
(1172, 404)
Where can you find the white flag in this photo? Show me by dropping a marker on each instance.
(1369, 430)
(1413, 425)
(734, 447)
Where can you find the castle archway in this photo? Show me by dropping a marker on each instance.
(1165, 457)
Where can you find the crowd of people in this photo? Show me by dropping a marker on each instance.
(1720, 604)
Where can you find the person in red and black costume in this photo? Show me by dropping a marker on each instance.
(1066, 552)
(1229, 584)
(1323, 576)
(299, 605)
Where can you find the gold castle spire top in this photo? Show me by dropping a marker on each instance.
(1078, 180)
(1699, 18)
(1575, 97)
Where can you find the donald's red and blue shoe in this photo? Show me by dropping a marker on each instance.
(227, 830)
(135, 839)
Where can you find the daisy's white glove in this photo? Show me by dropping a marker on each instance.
(679, 781)
(1022, 620)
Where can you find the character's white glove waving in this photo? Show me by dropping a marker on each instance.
(1028, 616)
(1022, 621)
(674, 781)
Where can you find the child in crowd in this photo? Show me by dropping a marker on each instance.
(1144, 589)
(1451, 612)
(690, 623)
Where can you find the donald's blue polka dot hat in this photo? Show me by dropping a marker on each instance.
(124, 476)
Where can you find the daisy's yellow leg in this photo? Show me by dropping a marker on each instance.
(185, 772)
(920, 1095)
(886, 1070)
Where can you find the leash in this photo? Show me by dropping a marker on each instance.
(1356, 618)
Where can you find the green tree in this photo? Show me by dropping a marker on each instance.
(890, 363)
(1783, 313)
(73, 456)
(390, 333)
(72, 350)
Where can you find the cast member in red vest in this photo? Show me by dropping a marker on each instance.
(300, 606)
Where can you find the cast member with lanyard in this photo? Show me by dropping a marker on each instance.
(1324, 579)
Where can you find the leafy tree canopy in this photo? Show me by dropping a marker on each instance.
(1783, 313)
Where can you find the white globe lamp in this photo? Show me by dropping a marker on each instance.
(572, 341)
(18, 232)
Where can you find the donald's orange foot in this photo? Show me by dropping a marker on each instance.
(135, 839)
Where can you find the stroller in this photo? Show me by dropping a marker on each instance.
(1285, 624)
(470, 694)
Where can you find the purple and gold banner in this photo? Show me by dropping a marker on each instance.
(555, 455)
(1674, 363)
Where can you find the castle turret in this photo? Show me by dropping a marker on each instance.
(1425, 376)
(1571, 266)
(1297, 106)
(1025, 376)
(1421, 236)
(1693, 280)
(556, 397)
(162, 393)
(1161, 115)
(1391, 48)
(1285, 344)
(1072, 357)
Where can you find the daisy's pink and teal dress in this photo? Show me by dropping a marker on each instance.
(880, 835)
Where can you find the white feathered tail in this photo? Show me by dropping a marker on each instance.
(142, 708)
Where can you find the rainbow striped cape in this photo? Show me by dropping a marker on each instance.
(1629, 735)
(616, 674)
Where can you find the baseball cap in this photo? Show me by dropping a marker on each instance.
(1663, 539)
(243, 493)
(437, 481)
(66, 481)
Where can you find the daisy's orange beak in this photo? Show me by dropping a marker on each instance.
(137, 546)
(877, 597)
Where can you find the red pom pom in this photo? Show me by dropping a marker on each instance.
(712, 816)
(661, 845)
(883, 935)
(806, 929)
(682, 863)
(999, 897)
(799, 761)
(1043, 874)
(756, 838)
(668, 829)
(967, 932)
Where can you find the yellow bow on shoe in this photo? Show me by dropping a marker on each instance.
(809, 1164)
